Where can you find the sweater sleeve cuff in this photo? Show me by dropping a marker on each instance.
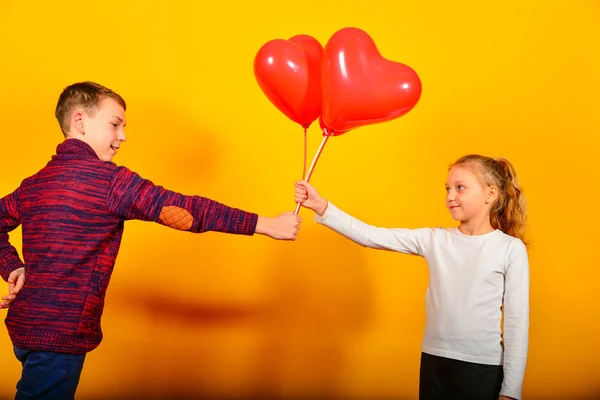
(245, 223)
(8, 265)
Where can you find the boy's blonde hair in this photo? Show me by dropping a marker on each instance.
(86, 95)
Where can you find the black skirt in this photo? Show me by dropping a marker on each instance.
(444, 378)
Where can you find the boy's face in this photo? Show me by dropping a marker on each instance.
(466, 197)
(104, 131)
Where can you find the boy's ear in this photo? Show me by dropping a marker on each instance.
(492, 194)
(78, 122)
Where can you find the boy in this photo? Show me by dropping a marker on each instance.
(73, 211)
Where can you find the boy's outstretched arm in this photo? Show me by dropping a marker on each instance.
(11, 267)
(132, 197)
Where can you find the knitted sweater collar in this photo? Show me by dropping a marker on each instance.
(75, 149)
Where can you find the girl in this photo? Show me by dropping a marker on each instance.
(474, 271)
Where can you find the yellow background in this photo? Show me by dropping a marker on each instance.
(223, 316)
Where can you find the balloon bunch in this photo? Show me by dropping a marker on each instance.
(346, 85)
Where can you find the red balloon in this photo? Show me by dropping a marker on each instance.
(327, 130)
(289, 74)
(360, 87)
(324, 128)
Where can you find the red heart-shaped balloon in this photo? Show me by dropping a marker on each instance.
(289, 74)
(360, 87)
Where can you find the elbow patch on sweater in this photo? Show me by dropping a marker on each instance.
(176, 218)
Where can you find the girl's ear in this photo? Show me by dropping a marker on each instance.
(491, 195)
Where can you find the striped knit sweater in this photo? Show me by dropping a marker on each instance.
(72, 214)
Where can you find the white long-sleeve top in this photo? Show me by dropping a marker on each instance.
(470, 279)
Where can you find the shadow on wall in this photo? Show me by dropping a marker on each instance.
(294, 344)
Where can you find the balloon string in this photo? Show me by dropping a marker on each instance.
(314, 162)
(305, 150)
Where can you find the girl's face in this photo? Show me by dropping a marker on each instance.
(467, 198)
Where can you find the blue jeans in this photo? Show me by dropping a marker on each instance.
(47, 375)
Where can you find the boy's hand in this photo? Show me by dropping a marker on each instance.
(16, 280)
(282, 227)
(310, 198)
